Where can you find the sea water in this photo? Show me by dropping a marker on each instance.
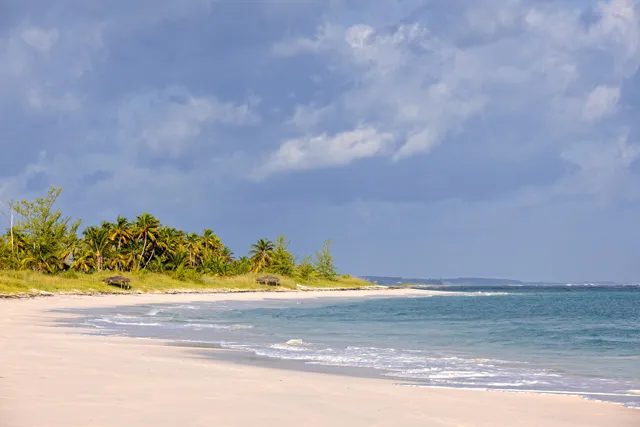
(581, 340)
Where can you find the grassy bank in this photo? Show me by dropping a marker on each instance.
(27, 282)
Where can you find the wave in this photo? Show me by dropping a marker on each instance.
(293, 345)
(583, 393)
(431, 370)
(187, 307)
(485, 294)
(215, 326)
(103, 320)
(467, 293)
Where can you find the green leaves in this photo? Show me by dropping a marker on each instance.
(261, 255)
(44, 240)
(306, 270)
(44, 237)
(324, 262)
(283, 261)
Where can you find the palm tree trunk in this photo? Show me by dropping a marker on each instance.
(153, 252)
(144, 247)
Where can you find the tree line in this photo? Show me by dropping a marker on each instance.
(42, 239)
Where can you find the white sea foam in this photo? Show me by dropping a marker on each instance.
(103, 320)
(483, 294)
(125, 316)
(561, 392)
(216, 326)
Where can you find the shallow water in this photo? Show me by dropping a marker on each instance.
(560, 339)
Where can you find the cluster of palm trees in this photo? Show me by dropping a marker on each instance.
(145, 244)
(43, 240)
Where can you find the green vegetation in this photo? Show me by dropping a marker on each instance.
(42, 252)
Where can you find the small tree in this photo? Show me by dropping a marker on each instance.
(49, 238)
(283, 262)
(324, 262)
(305, 270)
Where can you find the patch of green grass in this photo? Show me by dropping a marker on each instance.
(28, 282)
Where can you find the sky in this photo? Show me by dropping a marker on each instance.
(492, 138)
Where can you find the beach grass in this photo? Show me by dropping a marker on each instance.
(32, 283)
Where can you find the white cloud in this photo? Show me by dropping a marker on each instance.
(515, 60)
(601, 102)
(39, 39)
(307, 116)
(42, 101)
(603, 169)
(326, 151)
(168, 121)
(359, 36)
(299, 45)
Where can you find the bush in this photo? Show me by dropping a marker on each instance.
(305, 270)
(185, 274)
(69, 274)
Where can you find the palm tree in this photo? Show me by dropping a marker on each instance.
(210, 240)
(192, 243)
(176, 259)
(261, 255)
(169, 241)
(95, 244)
(124, 259)
(121, 231)
(226, 254)
(147, 230)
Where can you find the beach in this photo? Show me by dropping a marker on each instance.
(54, 376)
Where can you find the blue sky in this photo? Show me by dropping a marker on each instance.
(426, 138)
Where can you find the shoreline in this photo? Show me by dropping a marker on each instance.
(210, 291)
(55, 376)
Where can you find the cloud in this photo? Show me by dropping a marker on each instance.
(328, 151)
(300, 45)
(425, 83)
(307, 116)
(168, 121)
(603, 169)
(601, 102)
(41, 101)
(359, 36)
(39, 39)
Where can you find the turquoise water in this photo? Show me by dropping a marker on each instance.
(560, 339)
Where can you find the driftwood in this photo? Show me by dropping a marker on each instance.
(268, 280)
(120, 281)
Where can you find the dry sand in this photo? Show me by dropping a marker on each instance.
(55, 377)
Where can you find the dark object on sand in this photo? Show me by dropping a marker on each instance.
(268, 280)
(120, 281)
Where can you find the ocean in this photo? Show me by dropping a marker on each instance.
(582, 340)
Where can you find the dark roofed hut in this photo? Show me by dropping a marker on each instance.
(268, 280)
(120, 281)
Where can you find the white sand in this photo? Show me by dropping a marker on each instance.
(54, 377)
